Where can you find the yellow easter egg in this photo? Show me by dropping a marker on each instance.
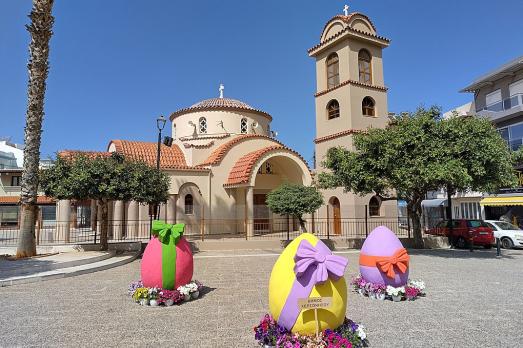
(282, 280)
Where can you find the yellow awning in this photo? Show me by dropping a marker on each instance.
(502, 201)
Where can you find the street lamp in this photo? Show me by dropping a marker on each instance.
(160, 124)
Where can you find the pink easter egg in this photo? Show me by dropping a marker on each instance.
(151, 268)
(382, 242)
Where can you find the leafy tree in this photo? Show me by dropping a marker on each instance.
(40, 29)
(104, 178)
(420, 152)
(295, 200)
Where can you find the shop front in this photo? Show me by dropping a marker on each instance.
(505, 207)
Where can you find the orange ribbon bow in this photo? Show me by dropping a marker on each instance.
(386, 264)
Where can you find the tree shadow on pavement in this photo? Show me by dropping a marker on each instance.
(478, 253)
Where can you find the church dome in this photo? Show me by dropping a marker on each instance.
(222, 102)
(219, 104)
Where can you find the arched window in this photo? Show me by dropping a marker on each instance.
(189, 204)
(333, 109)
(367, 107)
(374, 206)
(202, 123)
(268, 168)
(244, 126)
(265, 168)
(174, 131)
(333, 70)
(364, 60)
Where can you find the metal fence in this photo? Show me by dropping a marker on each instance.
(56, 233)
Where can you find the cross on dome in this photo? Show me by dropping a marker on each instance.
(346, 10)
(222, 87)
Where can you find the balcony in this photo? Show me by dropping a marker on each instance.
(10, 190)
(504, 109)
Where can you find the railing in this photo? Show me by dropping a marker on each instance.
(257, 229)
(506, 104)
(12, 189)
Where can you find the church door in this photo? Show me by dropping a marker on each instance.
(261, 213)
(336, 215)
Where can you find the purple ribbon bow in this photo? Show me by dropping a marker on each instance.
(313, 265)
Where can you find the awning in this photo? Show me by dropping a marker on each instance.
(502, 201)
(436, 202)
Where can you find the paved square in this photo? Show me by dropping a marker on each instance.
(474, 300)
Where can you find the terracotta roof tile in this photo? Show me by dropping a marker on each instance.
(219, 104)
(242, 169)
(90, 154)
(16, 200)
(347, 29)
(219, 153)
(171, 157)
(337, 135)
(347, 19)
(352, 82)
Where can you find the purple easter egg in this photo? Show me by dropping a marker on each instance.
(382, 242)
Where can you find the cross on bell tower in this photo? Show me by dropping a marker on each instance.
(346, 10)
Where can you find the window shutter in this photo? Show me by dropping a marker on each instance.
(494, 97)
(516, 88)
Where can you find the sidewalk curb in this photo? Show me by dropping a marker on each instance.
(66, 274)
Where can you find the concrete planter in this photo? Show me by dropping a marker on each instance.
(380, 297)
(396, 298)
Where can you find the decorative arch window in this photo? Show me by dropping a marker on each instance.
(244, 126)
(333, 109)
(333, 70)
(174, 130)
(368, 107)
(364, 65)
(189, 204)
(374, 206)
(202, 124)
(268, 168)
(265, 168)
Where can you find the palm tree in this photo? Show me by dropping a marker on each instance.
(40, 29)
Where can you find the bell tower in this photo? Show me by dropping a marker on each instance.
(350, 94)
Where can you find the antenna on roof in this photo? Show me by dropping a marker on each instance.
(222, 87)
(346, 10)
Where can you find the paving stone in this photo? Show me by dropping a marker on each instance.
(473, 300)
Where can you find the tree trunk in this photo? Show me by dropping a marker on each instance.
(414, 208)
(104, 225)
(303, 227)
(38, 66)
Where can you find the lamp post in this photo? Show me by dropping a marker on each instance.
(160, 124)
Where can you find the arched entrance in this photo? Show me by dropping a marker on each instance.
(334, 203)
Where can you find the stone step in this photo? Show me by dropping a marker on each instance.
(100, 265)
(52, 262)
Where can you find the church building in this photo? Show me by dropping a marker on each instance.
(350, 97)
(225, 159)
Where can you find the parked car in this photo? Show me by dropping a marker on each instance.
(463, 230)
(509, 235)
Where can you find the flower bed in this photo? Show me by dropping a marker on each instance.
(158, 296)
(349, 335)
(412, 290)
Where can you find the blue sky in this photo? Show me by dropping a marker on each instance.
(116, 65)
